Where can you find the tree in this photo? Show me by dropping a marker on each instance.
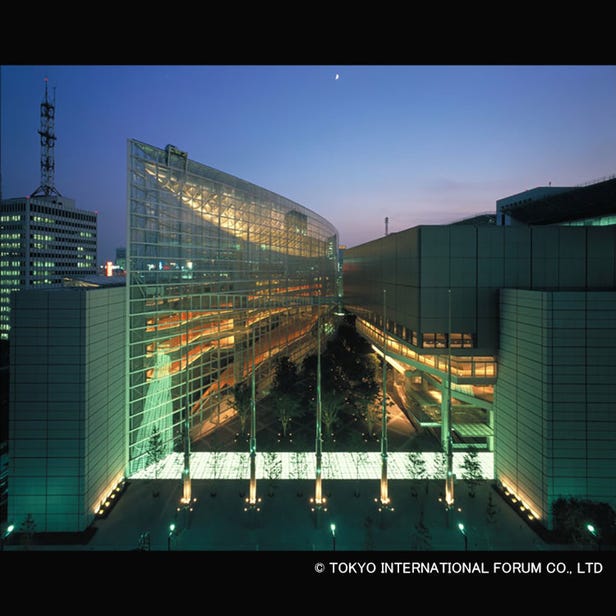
(308, 380)
(358, 455)
(365, 389)
(243, 461)
(27, 530)
(155, 450)
(144, 542)
(286, 375)
(372, 415)
(373, 412)
(299, 465)
(215, 460)
(416, 467)
(242, 395)
(334, 376)
(273, 468)
(331, 403)
(472, 470)
(286, 407)
(440, 465)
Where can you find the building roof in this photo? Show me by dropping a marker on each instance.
(94, 280)
(479, 219)
(590, 201)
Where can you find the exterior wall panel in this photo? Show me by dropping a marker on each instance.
(554, 425)
(66, 407)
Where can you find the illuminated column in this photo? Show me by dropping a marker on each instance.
(186, 481)
(446, 420)
(252, 499)
(385, 500)
(318, 501)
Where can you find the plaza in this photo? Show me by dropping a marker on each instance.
(285, 522)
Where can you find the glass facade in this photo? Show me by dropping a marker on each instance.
(215, 266)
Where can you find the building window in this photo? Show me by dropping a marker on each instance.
(461, 341)
(434, 341)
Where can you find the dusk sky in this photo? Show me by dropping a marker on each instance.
(420, 144)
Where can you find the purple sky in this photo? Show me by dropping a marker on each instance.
(419, 144)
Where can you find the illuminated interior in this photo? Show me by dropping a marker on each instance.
(420, 377)
(214, 263)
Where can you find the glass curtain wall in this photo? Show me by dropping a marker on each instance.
(214, 262)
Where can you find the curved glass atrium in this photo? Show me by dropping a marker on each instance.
(220, 271)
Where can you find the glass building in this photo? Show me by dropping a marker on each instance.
(219, 271)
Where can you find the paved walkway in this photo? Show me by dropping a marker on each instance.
(286, 523)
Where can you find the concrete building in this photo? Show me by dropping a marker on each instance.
(42, 240)
(452, 331)
(589, 205)
(67, 419)
(555, 416)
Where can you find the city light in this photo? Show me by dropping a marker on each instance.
(9, 529)
(463, 531)
(170, 536)
(593, 531)
(106, 505)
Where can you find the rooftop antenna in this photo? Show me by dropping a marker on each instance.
(48, 141)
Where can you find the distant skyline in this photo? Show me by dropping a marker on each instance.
(419, 144)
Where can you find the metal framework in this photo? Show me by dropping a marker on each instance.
(219, 270)
(48, 143)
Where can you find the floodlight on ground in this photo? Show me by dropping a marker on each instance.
(170, 535)
(591, 529)
(4, 536)
(463, 531)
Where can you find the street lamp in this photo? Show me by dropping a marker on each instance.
(463, 531)
(593, 531)
(332, 527)
(171, 532)
(5, 535)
